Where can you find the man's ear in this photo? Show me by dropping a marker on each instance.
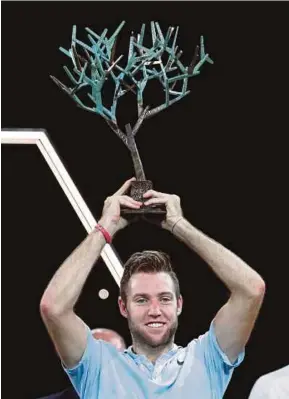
(122, 307)
(180, 302)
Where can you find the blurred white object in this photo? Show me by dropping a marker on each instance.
(103, 294)
(274, 385)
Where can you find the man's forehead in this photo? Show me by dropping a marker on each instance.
(152, 283)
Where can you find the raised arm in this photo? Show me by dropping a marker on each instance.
(66, 329)
(234, 322)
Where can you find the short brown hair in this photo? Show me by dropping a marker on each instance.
(147, 262)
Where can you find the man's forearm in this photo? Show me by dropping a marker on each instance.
(66, 285)
(233, 271)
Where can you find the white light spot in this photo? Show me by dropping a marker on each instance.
(103, 294)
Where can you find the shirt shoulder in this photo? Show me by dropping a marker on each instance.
(87, 372)
(206, 345)
(207, 358)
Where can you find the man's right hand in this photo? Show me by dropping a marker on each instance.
(111, 218)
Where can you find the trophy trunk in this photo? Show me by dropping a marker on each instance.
(140, 186)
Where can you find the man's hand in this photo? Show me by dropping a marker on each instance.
(172, 203)
(111, 218)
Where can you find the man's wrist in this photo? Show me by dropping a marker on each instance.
(109, 226)
(171, 222)
(104, 232)
(175, 223)
(178, 224)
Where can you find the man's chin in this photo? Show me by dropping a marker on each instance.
(155, 343)
(156, 340)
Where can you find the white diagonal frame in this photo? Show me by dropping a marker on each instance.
(39, 137)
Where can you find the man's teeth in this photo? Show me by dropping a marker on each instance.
(155, 325)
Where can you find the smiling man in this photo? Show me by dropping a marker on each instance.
(154, 366)
(150, 299)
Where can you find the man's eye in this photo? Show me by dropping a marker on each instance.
(166, 299)
(141, 300)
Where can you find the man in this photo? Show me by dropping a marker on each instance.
(153, 367)
(105, 334)
(274, 385)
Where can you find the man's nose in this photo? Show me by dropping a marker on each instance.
(154, 310)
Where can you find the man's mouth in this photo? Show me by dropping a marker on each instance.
(155, 325)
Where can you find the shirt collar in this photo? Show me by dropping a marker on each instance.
(164, 356)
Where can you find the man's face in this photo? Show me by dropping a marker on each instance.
(152, 308)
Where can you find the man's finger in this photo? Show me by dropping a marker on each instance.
(160, 200)
(118, 199)
(124, 187)
(124, 202)
(130, 199)
(154, 194)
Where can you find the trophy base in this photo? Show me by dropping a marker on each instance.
(143, 211)
(154, 214)
(138, 188)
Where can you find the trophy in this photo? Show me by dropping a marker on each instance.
(94, 63)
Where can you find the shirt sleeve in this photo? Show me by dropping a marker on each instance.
(85, 375)
(216, 352)
(217, 363)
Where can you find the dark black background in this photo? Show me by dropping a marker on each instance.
(221, 149)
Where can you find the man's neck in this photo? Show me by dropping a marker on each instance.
(151, 353)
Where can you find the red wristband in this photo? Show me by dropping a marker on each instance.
(105, 233)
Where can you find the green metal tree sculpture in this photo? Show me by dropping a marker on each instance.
(96, 62)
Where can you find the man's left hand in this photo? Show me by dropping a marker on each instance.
(172, 203)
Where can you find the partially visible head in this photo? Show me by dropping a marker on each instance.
(150, 262)
(150, 293)
(110, 336)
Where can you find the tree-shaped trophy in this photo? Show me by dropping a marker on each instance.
(96, 62)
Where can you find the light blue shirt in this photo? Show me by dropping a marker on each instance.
(199, 371)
